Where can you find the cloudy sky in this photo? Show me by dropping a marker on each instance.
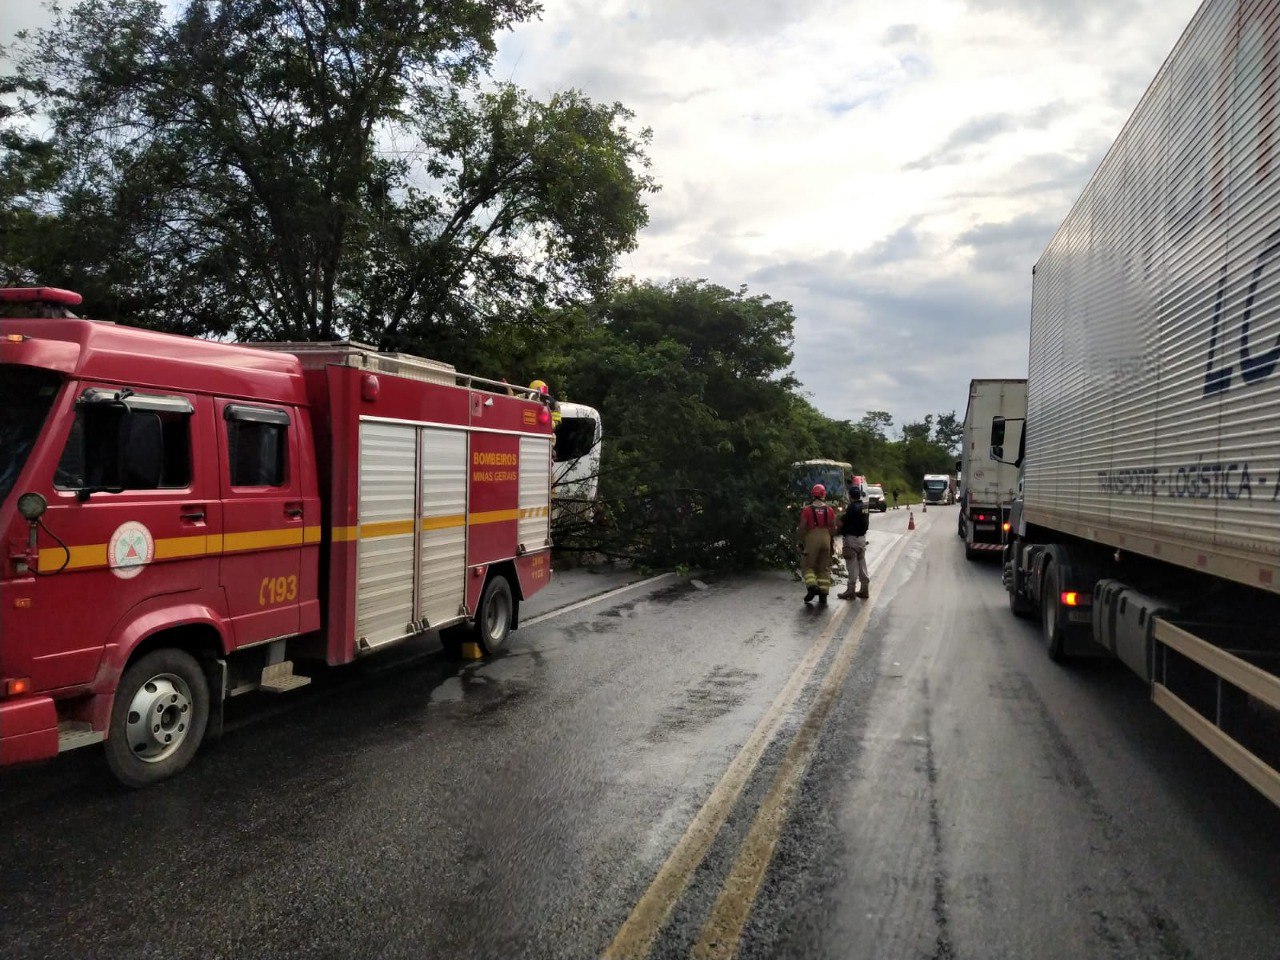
(892, 169)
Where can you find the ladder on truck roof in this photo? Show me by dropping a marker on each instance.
(351, 353)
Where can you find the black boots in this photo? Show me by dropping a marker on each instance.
(810, 593)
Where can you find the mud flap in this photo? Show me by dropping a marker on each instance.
(215, 672)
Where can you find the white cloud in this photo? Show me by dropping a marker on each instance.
(892, 170)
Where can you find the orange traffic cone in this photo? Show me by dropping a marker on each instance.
(911, 520)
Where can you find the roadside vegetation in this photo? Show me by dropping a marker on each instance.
(323, 169)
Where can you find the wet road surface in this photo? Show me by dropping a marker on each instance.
(674, 770)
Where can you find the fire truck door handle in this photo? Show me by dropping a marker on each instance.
(293, 511)
(192, 514)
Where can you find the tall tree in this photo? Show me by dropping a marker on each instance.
(701, 417)
(878, 423)
(303, 169)
(921, 430)
(948, 431)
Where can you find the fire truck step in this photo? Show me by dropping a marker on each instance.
(72, 734)
(280, 678)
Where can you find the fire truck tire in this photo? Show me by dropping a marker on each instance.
(495, 615)
(1054, 636)
(159, 717)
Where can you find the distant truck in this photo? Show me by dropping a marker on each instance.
(184, 521)
(1149, 521)
(938, 488)
(989, 485)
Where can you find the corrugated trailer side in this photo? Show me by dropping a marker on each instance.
(1149, 524)
(1154, 327)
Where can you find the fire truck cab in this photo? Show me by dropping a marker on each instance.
(183, 521)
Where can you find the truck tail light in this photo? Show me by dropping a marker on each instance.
(1005, 526)
(1070, 598)
(16, 687)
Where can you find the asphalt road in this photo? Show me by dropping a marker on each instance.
(679, 769)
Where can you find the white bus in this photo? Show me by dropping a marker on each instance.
(575, 482)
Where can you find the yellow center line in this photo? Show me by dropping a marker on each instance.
(638, 931)
(723, 930)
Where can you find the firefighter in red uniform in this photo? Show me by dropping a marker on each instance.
(816, 535)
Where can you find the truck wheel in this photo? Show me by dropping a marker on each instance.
(158, 719)
(1054, 637)
(493, 619)
(1019, 605)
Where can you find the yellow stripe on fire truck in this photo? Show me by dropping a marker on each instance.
(178, 548)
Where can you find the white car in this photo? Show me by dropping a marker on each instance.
(875, 498)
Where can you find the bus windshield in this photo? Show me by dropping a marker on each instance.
(575, 437)
(26, 396)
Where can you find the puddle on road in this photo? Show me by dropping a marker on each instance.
(482, 687)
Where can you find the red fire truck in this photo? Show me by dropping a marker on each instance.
(184, 520)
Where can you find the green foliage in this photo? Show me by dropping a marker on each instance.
(311, 169)
(948, 432)
(877, 422)
(702, 422)
(314, 169)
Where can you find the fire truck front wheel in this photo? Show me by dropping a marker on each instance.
(493, 619)
(158, 719)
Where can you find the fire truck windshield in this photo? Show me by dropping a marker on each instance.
(26, 394)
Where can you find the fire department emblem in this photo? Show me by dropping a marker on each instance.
(131, 548)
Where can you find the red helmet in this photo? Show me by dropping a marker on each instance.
(819, 491)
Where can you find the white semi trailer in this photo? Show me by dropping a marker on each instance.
(989, 484)
(1149, 521)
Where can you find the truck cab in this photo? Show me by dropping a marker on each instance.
(154, 491)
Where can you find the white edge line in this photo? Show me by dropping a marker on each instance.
(579, 604)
